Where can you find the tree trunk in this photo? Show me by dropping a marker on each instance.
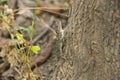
(91, 45)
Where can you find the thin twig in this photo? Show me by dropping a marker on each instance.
(57, 13)
(43, 33)
(47, 9)
(39, 36)
(47, 26)
(40, 8)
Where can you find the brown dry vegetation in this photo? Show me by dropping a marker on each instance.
(20, 13)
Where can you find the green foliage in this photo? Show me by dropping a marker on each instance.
(31, 31)
(21, 28)
(21, 45)
(3, 16)
(19, 36)
(3, 1)
(35, 49)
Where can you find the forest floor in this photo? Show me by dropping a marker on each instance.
(48, 17)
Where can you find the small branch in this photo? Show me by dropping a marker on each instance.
(39, 36)
(40, 8)
(57, 13)
(43, 33)
(47, 9)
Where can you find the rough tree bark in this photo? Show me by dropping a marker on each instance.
(91, 46)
